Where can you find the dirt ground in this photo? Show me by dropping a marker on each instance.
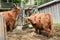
(29, 34)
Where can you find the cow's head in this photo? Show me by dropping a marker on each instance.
(30, 13)
(32, 19)
(16, 8)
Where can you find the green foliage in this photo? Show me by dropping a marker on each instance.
(57, 24)
(25, 1)
(36, 2)
(4, 0)
(39, 2)
(17, 1)
(5, 6)
(14, 1)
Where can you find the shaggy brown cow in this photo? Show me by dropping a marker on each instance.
(42, 22)
(11, 17)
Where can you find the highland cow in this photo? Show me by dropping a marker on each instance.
(11, 17)
(42, 21)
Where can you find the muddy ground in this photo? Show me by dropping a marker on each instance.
(29, 34)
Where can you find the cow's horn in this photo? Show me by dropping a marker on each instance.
(14, 4)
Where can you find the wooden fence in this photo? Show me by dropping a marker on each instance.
(3, 33)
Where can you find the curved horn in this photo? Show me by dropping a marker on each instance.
(14, 4)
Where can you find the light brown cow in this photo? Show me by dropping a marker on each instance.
(42, 22)
(11, 17)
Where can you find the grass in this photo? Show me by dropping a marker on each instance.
(56, 24)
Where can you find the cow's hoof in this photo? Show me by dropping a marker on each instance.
(40, 32)
(48, 36)
(35, 31)
(10, 31)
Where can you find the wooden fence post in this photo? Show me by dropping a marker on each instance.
(3, 32)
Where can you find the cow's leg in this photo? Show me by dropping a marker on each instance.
(11, 25)
(47, 30)
(10, 28)
(52, 30)
(39, 31)
(36, 30)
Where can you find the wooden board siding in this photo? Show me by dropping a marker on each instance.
(3, 33)
(54, 9)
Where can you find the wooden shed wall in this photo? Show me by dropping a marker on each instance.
(54, 9)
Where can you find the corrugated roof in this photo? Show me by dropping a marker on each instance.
(46, 4)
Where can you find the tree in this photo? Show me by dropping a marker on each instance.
(19, 1)
(39, 2)
(25, 1)
(16, 1)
